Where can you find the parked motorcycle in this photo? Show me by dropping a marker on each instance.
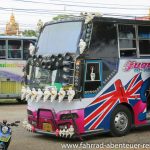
(5, 133)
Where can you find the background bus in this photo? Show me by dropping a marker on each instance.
(14, 51)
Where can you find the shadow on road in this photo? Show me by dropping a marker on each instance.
(6, 104)
(11, 102)
(101, 136)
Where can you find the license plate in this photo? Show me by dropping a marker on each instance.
(4, 139)
(47, 127)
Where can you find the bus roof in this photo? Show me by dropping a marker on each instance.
(123, 21)
(103, 19)
(18, 37)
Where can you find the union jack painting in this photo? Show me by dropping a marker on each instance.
(100, 109)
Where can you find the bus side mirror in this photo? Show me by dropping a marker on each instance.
(27, 69)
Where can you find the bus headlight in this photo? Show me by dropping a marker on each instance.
(4, 129)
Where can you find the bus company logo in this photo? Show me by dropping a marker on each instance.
(11, 65)
(137, 66)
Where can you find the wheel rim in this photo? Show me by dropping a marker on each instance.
(121, 121)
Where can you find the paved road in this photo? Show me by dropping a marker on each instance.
(23, 140)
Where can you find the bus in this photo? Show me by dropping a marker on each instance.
(91, 74)
(14, 51)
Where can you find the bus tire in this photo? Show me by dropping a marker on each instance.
(121, 121)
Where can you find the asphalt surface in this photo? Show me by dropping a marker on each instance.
(24, 140)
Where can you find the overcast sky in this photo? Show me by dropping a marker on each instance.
(28, 12)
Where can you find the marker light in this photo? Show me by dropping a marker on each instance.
(43, 62)
(66, 77)
(49, 64)
(66, 69)
(53, 58)
(59, 62)
(66, 63)
(68, 57)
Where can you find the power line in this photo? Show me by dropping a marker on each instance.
(50, 12)
(75, 2)
(31, 10)
(87, 6)
(97, 3)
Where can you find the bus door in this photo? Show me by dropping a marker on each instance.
(92, 78)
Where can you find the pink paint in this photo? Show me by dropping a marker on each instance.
(46, 116)
(136, 65)
(139, 108)
(31, 108)
(79, 121)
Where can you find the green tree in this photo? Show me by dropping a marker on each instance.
(61, 17)
(29, 33)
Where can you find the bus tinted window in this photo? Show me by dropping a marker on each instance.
(144, 39)
(14, 49)
(104, 40)
(2, 48)
(127, 40)
(127, 31)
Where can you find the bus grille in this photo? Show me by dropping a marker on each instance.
(10, 87)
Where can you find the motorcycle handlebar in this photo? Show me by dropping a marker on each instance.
(10, 124)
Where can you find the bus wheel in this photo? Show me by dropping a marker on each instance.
(121, 121)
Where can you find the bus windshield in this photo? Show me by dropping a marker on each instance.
(59, 38)
(44, 77)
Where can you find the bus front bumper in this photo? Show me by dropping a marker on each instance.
(66, 134)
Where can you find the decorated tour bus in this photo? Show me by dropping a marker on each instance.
(14, 51)
(90, 74)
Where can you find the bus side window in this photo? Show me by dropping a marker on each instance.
(103, 40)
(14, 49)
(26, 44)
(2, 49)
(144, 40)
(127, 40)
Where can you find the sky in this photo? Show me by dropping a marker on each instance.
(28, 12)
